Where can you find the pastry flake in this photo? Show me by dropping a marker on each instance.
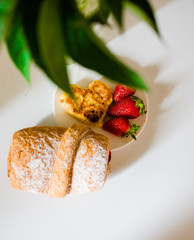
(90, 104)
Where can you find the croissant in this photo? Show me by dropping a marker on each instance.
(58, 161)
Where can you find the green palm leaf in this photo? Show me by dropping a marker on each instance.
(53, 54)
(18, 48)
(87, 49)
(143, 9)
(6, 10)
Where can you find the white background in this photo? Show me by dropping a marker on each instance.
(150, 194)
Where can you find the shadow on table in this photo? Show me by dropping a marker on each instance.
(48, 121)
(129, 21)
(184, 232)
(158, 92)
(12, 82)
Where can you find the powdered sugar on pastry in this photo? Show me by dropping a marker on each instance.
(64, 162)
(32, 157)
(90, 165)
(51, 160)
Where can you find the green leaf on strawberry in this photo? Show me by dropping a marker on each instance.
(139, 103)
(121, 127)
(132, 131)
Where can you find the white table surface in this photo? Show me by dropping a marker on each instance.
(150, 194)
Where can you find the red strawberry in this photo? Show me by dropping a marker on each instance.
(121, 127)
(122, 91)
(129, 107)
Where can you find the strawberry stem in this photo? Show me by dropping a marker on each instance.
(140, 104)
(132, 131)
